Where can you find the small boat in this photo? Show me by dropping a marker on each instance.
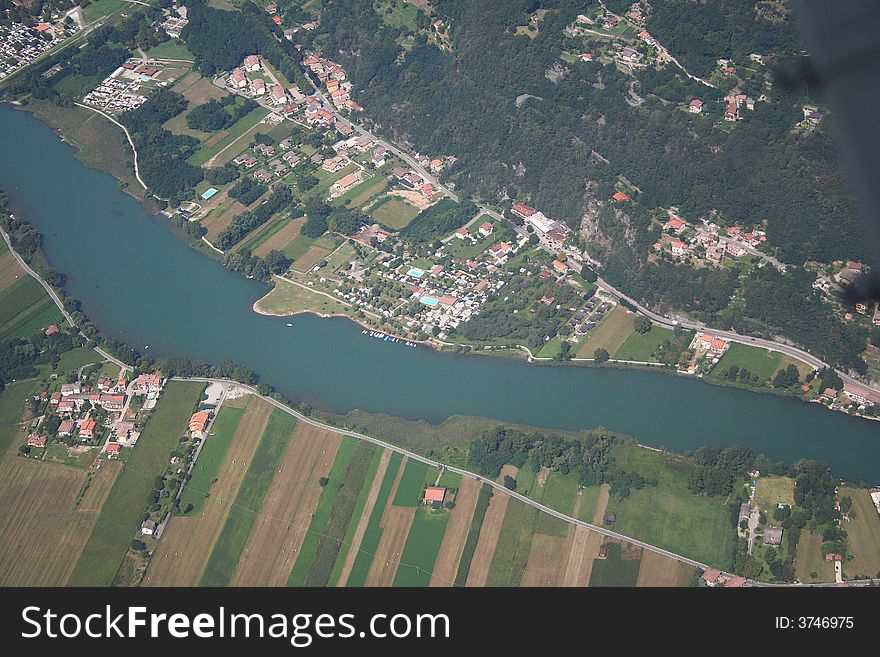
(290, 324)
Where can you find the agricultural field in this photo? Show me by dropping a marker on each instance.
(25, 307)
(864, 535)
(182, 554)
(620, 567)
(285, 233)
(249, 499)
(123, 509)
(611, 333)
(310, 258)
(236, 139)
(171, 49)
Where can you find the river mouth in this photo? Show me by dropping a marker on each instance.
(143, 285)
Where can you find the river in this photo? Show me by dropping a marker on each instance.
(142, 284)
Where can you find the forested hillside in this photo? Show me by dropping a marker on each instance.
(463, 102)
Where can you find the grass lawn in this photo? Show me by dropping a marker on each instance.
(370, 540)
(771, 491)
(12, 403)
(409, 490)
(343, 521)
(465, 250)
(240, 127)
(669, 515)
(208, 464)
(72, 360)
(298, 247)
(758, 361)
(641, 346)
(864, 535)
(394, 212)
(242, 515)
(100, 8)
(61, 454)
(288, 298)
(551, 348)
(611, 333)
(421, 548)
(810, 559)
(558, 492)
(614, 571)
(341, 257)
(171, 49)
(124, 508)
(363, 192)
(323, 512)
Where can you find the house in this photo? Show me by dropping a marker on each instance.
(603, 552)
(427, 190)
(434, 495)
(620, 197)
(731, 112)
(68, 389)
(52, 329)
(675, 224)
(66, 427)
(735, 582)
(344, 128)
(679, 248)
(238, 79)
(710, 576)
(145, 383)
(148, 527)
(735, 248)
(500, 249)
(277, 20)
(486, 228)
(522, 210)
(629, 55)
(773, 536)
(461, 233)
(113, 450)
(55, 398)
(696, 106)
(252, 63)
(278, 95)
(829, 394)
(560, 266)
(198, 423)
(345, 183)
(334, 164)
(586, 57)
(87, 428)
(609, 518)
(745, 512)
(36, 440)
(258, 87)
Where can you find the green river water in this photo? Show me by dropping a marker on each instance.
(142, 284)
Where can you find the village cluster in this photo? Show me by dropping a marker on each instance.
(21, 44)
(707, 243)
(92, 411)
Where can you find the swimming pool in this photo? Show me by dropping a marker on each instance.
(416, 272)
(429, 301)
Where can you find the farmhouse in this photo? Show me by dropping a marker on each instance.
(36, 440)
(434, 495)
(113, 450)
(148, 527)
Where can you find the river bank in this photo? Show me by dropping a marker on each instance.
(144, 286)
(95, 149)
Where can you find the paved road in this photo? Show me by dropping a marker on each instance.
(52, 294)
(388, 145)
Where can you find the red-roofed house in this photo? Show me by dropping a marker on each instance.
(522, 210)
(66, 427)
(36, 440)
(560, 266)
(620, 196)
(198, 422)
(87, 428)
(434, 495)
(113, 449)
(710, 575)
(486, 228)
(696, 106)
(52, 330)
(461, 233)
(675, 223)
